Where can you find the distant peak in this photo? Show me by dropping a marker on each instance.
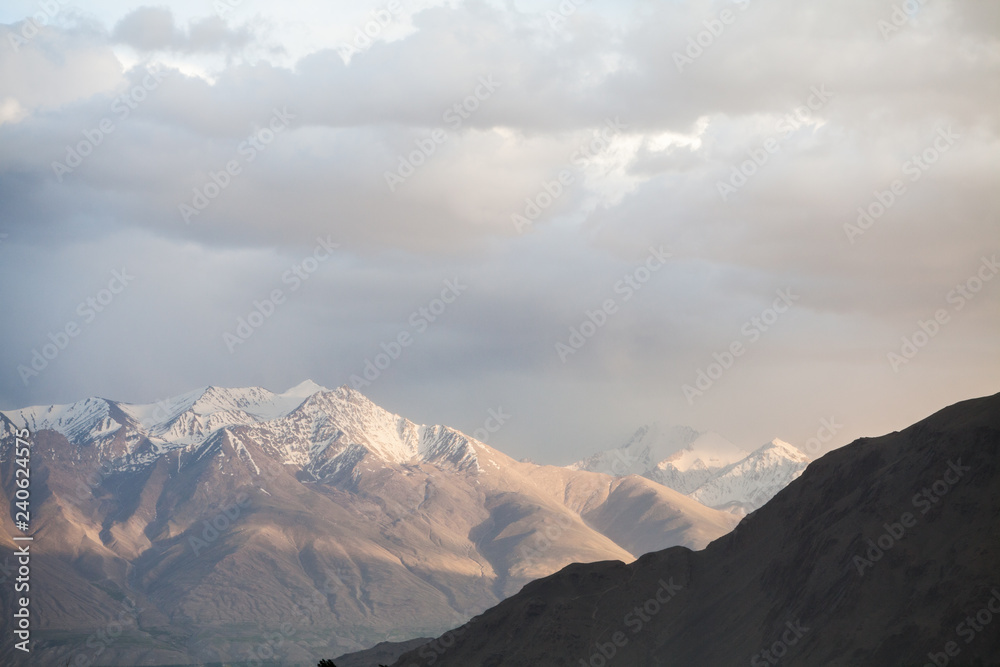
(348, 393)
(781, 446)
(305, 388)
(212, 390)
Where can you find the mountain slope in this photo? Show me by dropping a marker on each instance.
(881, 554)
(232, 522)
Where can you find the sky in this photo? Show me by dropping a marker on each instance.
(765, 218)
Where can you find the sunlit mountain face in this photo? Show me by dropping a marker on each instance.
(216, 511)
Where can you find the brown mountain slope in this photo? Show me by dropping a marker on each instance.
(883, 553)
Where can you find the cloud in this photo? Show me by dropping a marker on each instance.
(56, 67)
(148, 29)
(283, 149)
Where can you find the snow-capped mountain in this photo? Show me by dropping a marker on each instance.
(183, 420)
(704, 466)
(307, 425)
(746, 485)
(220, 511)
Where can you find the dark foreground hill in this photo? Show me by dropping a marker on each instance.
(380, 654)
(883, 553)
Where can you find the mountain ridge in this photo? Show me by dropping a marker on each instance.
(219, 511)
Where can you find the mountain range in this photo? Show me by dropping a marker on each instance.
(704, 466)
(240, 524)
(883, 553)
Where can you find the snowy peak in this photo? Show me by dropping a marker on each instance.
(190, 418)
(704, 466)
(706, 452)
(326, 432)
(220, 399)
(782, 449)
(746, 485)
(441, 445)
(257, 402)
(344, 417)
(153, 415)
(79, 422)
(678, 457)
(186, 419)
(305, 389)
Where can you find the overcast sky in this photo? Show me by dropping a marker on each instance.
(688, 173)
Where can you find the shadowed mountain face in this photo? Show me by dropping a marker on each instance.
(883, 553)
(380, 654)
(238, 524)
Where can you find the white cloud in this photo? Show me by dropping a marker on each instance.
(654, 182)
